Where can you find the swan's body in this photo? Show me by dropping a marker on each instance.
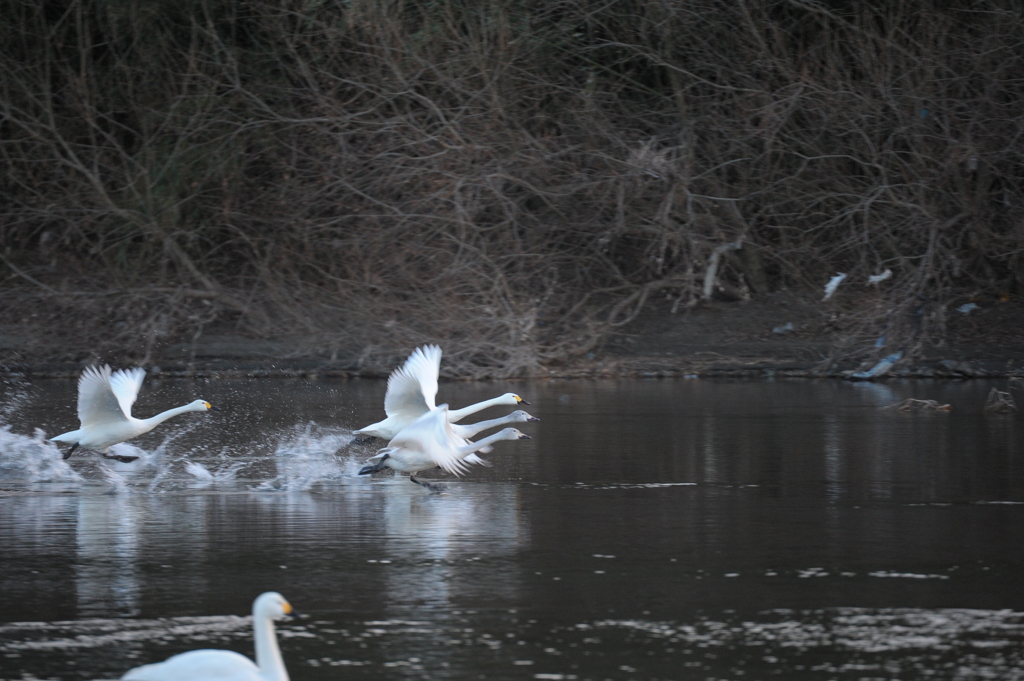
(412, 389)
(429, 442)
(226, 665)
(105, 402)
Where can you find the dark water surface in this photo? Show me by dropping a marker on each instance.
(675, 529)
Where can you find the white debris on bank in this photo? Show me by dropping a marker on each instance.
(833, 284)
(879, 278)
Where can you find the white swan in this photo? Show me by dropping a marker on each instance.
(412, 389)
(430, 442)
(469, 430)
(105, 402)
(227, 665)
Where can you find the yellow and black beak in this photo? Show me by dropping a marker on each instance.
(210, 406)
(520, 400)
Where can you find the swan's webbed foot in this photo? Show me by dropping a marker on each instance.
(118, 457)
(362, 440)
(433, 487)
(374, 467)
(67, 454)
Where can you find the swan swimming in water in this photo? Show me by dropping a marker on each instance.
(412, 389)
(430, 442)
(105, 402)
(227, 665)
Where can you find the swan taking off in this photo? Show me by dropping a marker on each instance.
(105, 402)
(412, 389)
(226, 665)
(469, 430)
(429, 442)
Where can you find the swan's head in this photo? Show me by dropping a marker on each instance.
(202, 405)
(520, 415)
(512, 398)
(513, 434)
(271, 604)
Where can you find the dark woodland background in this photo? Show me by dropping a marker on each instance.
(516, 180)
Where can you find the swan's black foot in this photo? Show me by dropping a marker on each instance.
(362, 440)
(118, 457)
(67, 454)
(433, 487)
(374, 467)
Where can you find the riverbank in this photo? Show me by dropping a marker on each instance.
(783, 334)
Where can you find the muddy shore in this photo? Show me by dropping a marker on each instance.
(779, 335)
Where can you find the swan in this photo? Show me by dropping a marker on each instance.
(105, 402)
(467, 431)
(429, 442)
(411, 391)
(227, 665)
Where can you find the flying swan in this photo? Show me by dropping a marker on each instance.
(412, 389)
(227, 665)
(105, 402)
(469, 430)
(430, 442)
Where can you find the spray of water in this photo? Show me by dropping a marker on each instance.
(32, 459)
(310, 454)
(204, 477)
(118, 482)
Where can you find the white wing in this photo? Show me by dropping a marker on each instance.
(432, 434)
(97, 404)
(473, 458)
(125, 385)
(413, 387)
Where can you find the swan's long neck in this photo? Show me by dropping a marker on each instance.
(471, 429)
(465, 450)
(456, 415)
(154, 421)
(268, 655)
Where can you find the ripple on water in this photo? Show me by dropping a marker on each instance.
(841, 642)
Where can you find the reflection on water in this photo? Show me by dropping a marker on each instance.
(655, 529)
(105, 567)
(430, 537)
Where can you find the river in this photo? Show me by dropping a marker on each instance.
(651, 529)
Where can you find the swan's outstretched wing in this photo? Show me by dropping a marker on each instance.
(97, 404)
(473, 458)
(432, 434)
(412, 388)
(125, 385)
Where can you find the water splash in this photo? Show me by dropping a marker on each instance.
(118, 483)
(12, 402)
(144, 459)
(32, 459)
(204, 477)
(199, 471)
(308, 455)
